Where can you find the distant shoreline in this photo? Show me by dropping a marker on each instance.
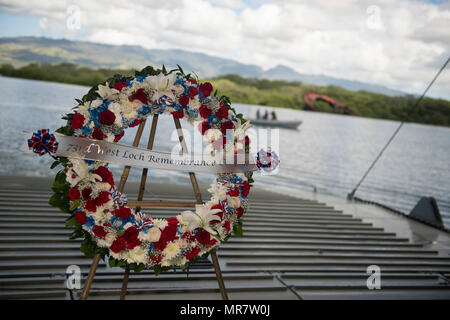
(263, 92)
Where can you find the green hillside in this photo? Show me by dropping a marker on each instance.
(276, 93)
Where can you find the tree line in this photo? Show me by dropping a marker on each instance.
(275, 93)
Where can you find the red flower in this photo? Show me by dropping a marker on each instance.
(192, 92)
(107, 117)
(102, 198)
(169, 233)
(86, 193)
(179, 114)
(120, 85)
(247, 140)
(140, 95)
(77, 121)
(74, 194)
(90, 205)
(119, 136)
(204, 111)
(222, 113)
(220, 214)
(191, 254)
(245, 188)
(227, 226)
(98, 134)
(155, 259)
(123, 212)
(239, 212)
(233, 192)
(105, 174)
(130, 234)
(203, 127)
(133, 243)
(135, 123)
(204, 237)
(99, 231)
(172, 221)
(228, 125)
(80, 216)
(188, 236)
(205, 89)
(131, 237)
(184, 100)
(160, 245)
(118, 245)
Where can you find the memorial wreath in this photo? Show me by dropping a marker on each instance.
(86, 189)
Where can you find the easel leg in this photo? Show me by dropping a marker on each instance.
(126, 275)
(123, 180)
(223, 290)
(151, 139)
(198, 196)
(90, 278)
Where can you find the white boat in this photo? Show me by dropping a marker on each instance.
(276, 123)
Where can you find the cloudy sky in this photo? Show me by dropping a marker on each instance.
(400, 44)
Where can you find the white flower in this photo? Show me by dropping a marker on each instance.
(160, 223)
(116, 108)
(212, 135)
(107, 93)
(201, 218)
(194, 104)
(79, 171)
(137, 255)
(107, 241)
(218, 190)
(95, 103)
(234, 202)
(110, 137)
(129, 109)
(172, 250)
(163, 85)
(151, 235)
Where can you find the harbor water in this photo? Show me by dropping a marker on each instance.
(328, 153)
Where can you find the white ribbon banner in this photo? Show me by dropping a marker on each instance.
(98, 150)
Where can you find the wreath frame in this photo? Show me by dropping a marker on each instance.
(69, 198)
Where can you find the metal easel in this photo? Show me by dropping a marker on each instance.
(140, 203)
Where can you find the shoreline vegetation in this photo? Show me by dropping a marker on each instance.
(274, 93)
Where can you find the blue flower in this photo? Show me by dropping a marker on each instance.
(86, 131)
(140, 78)
(213, 119)
(144, 109)
(89, 222)
(95, 113)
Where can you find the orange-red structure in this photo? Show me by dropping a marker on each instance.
(310, 97)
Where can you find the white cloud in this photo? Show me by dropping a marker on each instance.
(399, 44)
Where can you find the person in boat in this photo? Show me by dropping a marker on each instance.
(274, 115)
(266, 115)
(258, 114)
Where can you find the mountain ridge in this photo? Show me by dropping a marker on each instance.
(19, 51)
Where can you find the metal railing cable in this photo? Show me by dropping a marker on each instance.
(413, 108)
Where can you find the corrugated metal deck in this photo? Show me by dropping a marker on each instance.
(292, 249)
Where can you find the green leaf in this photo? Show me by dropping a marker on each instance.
(112, 262)
(237, 229)
(75, 205)
(139, 268)
(71, 222)
(54, 164)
